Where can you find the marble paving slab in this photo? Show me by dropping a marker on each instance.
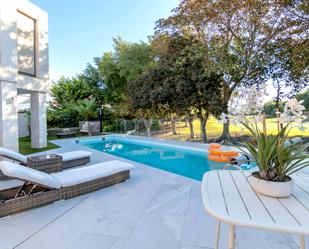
(154, 209)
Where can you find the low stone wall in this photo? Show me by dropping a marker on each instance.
(55, 131)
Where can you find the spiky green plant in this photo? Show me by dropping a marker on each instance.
(276, 159)
(288, 158)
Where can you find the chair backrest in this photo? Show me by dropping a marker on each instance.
(12, 155)
(29, 175)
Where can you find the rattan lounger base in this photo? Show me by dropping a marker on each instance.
(38, 199)
(75, 162)
(9, 205)
(84, 188)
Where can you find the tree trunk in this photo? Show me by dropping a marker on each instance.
(226, 131)
(277, 103)
(186, 122)
(148, 124)
(203, 121)
(190, 121)
(173, 122)
(226, 126)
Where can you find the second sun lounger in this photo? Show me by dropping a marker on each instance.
(69, 159)
(40, 188)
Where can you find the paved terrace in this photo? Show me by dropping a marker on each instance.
(154, 209)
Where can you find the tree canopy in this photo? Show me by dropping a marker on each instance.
(179, 82)
(240, 34)
(68, 90)
(198, 57)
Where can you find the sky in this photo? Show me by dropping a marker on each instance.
(80, 30)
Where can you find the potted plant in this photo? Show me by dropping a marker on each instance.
(276, 158)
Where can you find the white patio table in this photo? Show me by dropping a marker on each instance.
(229, 198)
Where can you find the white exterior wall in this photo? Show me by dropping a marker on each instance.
(41, 80)
(9, 117)
(23, 123)
(8, 43)
(12, 82)
(38, 120)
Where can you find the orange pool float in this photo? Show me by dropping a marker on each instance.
(220, 159)
(223, 153)
(215, 154)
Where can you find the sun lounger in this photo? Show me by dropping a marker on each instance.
(70, 159)
(40, 188)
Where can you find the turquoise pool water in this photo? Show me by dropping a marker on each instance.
(181, 161)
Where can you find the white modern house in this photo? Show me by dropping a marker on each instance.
(24, 69)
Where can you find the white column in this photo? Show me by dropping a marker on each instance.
(8, 116)
(38, 120)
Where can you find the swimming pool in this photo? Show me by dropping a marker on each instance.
(185, 161)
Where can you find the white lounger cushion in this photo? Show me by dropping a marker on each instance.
(65, 178)
(31, 175)
(12, 154)
(68, 156)
(84, 174)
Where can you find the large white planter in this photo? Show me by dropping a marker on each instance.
(270, 188)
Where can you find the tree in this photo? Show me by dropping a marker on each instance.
(115, 85)
(237, 34)
(166, 55)
(75, 99)
(92, 77)
(179, 83)
(198, 87)
(132, 58)
(68, 90)
(102, 83)
(87, 109)
(66, 95)
(305, 97)
(143, 96)
(270, 108)
(205, 99)
(120, 67)
(284, 68)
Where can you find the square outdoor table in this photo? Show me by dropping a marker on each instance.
(229, 198)
(47, 163)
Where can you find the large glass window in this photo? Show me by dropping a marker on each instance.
(26, 44)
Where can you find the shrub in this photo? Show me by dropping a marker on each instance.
(66, 117)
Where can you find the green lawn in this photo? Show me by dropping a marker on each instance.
(25, 146)
(214, 130)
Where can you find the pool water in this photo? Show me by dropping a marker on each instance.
(181, 161)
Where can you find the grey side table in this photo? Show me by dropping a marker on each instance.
(47, 163)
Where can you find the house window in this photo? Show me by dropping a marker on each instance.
(26, 44)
